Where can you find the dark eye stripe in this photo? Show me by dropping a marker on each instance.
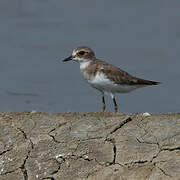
(81, 53)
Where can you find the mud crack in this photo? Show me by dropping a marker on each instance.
(23, 167)
(162, 170)
(54, 129)
(112, 141)
(121, 125)
(139, 162)
(3, 152)
(171, 149)
(46, 178)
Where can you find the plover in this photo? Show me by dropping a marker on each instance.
(105, 77)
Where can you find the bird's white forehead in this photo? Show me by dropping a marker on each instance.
(74, 52)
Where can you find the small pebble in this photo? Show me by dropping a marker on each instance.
(146, 114)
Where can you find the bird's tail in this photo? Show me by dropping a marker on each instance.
(147, 82)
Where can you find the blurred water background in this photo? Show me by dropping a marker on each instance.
(141, 37)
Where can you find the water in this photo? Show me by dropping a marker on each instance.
(142, 37)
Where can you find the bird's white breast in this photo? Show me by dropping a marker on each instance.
(102, 83)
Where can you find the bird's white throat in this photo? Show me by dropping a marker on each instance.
(84, 64)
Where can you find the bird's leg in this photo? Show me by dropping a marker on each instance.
(104, 104)
(115, 104)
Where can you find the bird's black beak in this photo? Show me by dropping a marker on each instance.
(68, 59)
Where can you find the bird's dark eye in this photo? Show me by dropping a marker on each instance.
(81, 53)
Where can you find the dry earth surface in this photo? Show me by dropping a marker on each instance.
(92, 146)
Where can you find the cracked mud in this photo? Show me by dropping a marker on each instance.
(93, 146)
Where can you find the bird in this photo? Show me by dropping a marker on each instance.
(105, 77)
